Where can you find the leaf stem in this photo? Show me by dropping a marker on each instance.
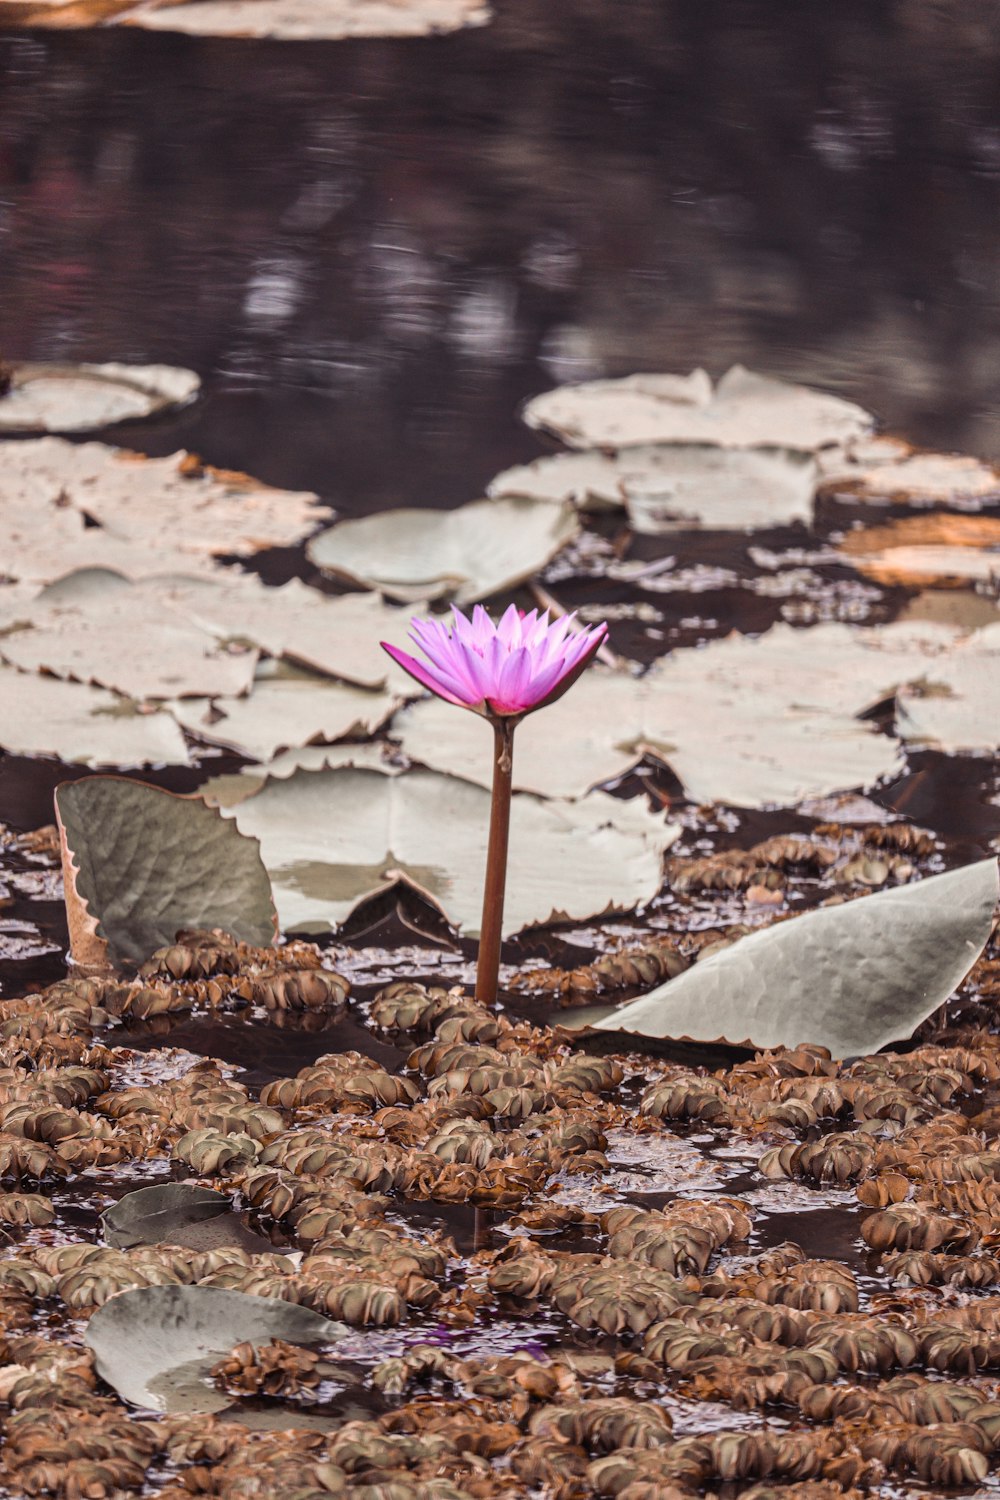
(488, 966)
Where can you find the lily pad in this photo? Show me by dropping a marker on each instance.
(337, 635)
(82, 398)
(105, 631)
(912, 478)
(67, 505)
(463, 555)
(774, 719)
(940, 549)
(75, 723)
(331, 839)
(852, 978)
(155, 1345)
(956, 705)
(178, 1213)
(140, 864)
(284, 711)
(745, 410)
(673, 487)
(597, 728)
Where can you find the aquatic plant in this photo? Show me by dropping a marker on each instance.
(503, 672)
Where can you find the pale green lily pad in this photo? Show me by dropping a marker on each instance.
(155, 1345)
(330, 839)
(82, 398)
(304, 20)
(852, 977)
(152, 515)
(336, 635)
(94, 627)
(463, 555)
(179, 1213)
(284, 711)
(673, 487)
(745, 410)
(956, 706)
(80, 724)
(141, 864)
(596, 726)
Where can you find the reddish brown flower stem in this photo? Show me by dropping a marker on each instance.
(488, 966)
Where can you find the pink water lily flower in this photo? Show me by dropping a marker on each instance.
(502, 670)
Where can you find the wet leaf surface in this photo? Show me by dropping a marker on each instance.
(141, 864)
(853, 978)
(82, 398)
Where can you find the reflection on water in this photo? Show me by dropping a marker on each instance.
(374, 251)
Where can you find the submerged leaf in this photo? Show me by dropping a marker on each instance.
(332, 838)
(463, 555)
(851, 978)
(745, 411)
(82, 398)
(141, 864)
(155, 1345)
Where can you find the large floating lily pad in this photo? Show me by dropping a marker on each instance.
(75, 723)
(82, 398)
(156, 1345)
(741, 720)
(589, 735)
(745, 410)
(65, 505)
(284, 711)
(774, 719)
(336, 635)
(852, 977)
(464, 555)
(330, 839)
(104, 631)
(140, 864)
(672, 487)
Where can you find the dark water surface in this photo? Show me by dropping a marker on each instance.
(373, 251)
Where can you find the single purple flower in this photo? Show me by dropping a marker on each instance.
(502, 672)
(505, 670)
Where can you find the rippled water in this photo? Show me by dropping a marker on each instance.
(374, 251)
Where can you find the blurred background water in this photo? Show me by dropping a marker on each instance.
(374, 251)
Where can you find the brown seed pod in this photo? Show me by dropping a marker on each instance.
(837, 1158)
(604, 1425)
(686, 1097)
(913, 1227)
(26, 1208)
(819, 1286)
(273, 1369)
(210, 1153)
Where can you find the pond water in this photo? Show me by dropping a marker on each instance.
(373, 253)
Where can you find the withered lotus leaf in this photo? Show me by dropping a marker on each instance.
(140, 864)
